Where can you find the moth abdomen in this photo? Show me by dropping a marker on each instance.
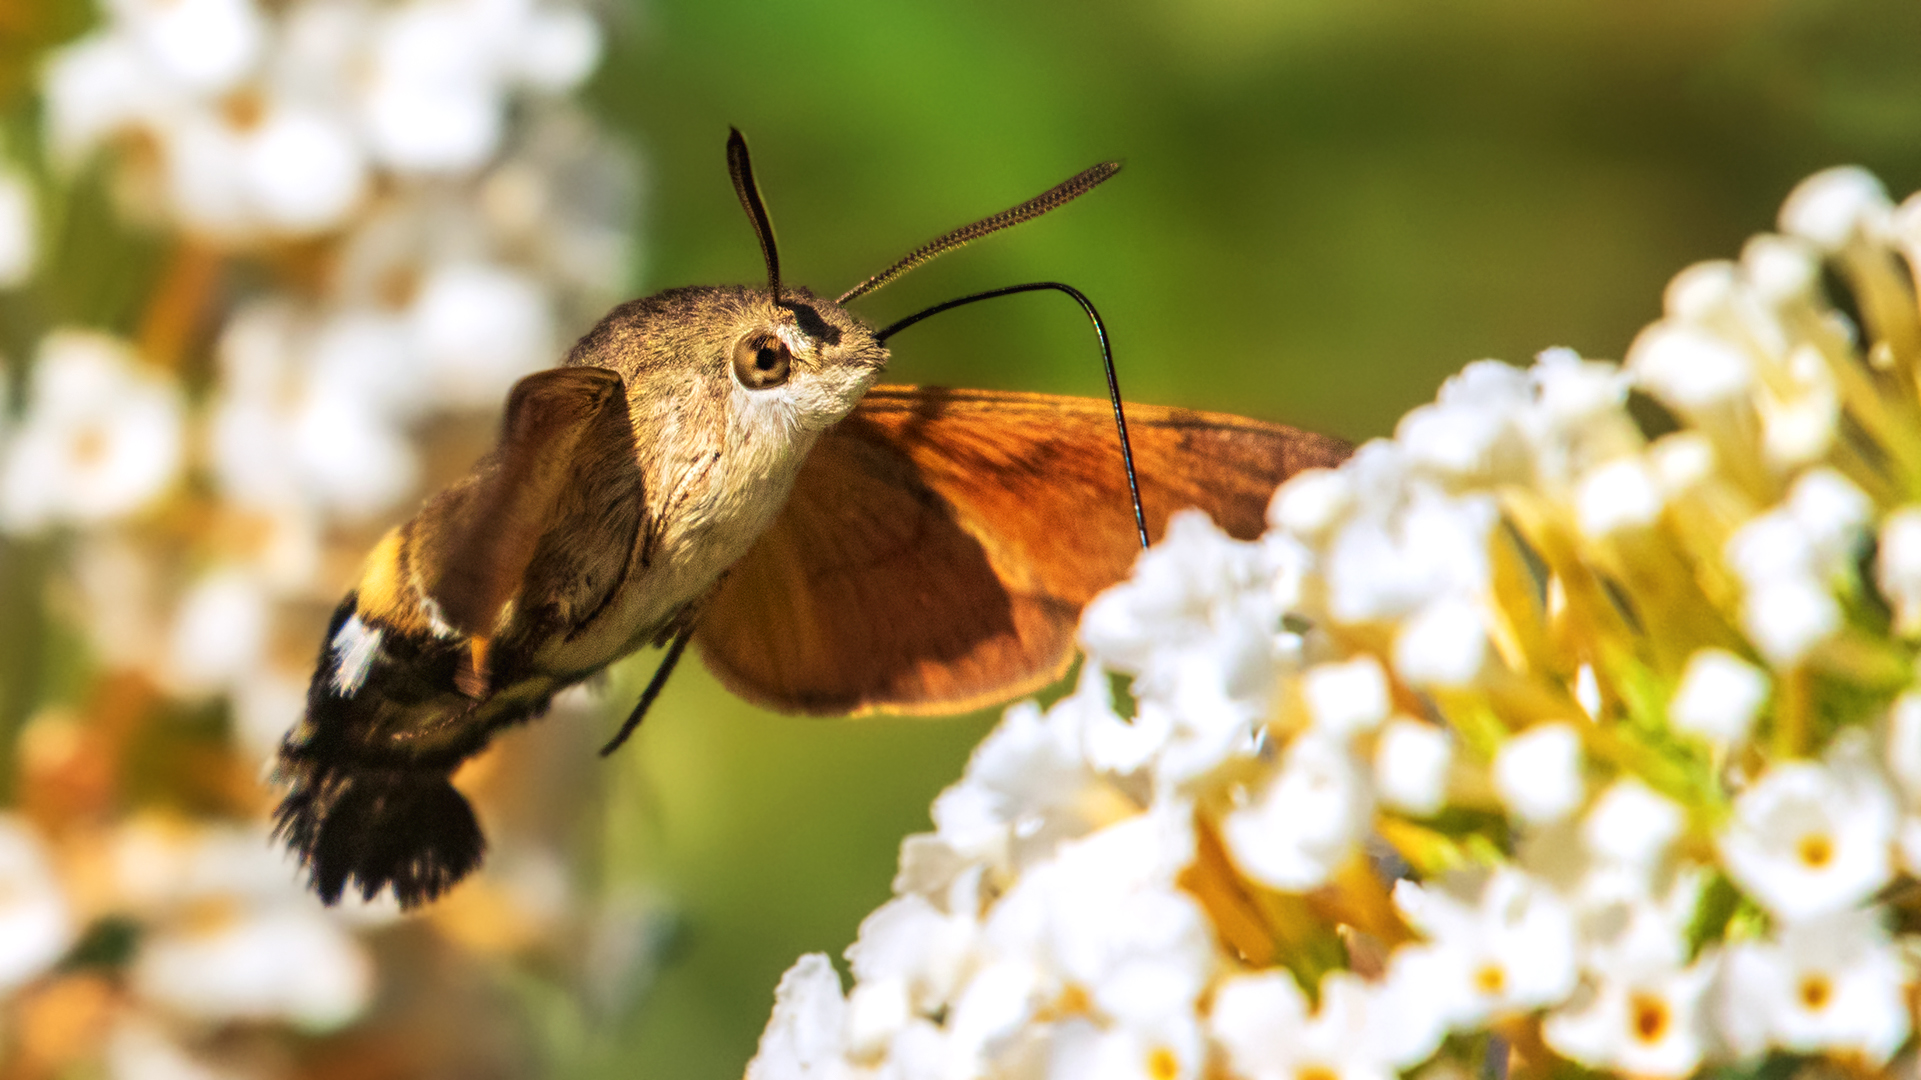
(410, 831)
(368, 800)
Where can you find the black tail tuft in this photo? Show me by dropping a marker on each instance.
(379, 828)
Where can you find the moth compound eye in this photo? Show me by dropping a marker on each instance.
(762, 361)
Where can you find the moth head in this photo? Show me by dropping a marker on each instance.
(731, 358)
(800, 360)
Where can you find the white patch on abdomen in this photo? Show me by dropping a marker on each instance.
(354, 647)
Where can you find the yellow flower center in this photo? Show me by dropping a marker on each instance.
(1816, 992)
(1162, 1064)
(1649, 1017)
(89, 445)
(1816, 850)
(1490, 979)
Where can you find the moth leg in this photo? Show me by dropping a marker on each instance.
(654, 686)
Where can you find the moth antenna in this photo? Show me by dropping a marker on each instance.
(654, 686)
(1100, 331)
(1057, 196)
(741, 168)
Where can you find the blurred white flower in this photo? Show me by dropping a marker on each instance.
(1262, 1021)
(205, 45)
(1646, 1023)
(1444, 644)
(1631, 825)
(231, 934)
(19, 228)
(313, 412)
(479, 328)
(1832, 983)
(1346, 698)
(1307, 821)
(1411, 762)
(1538, 773)
(100, 439)
(803, 1037)
(273, 122)
(1897, 568)
(1719, 696)
(219, 632)
(290, 963)
(36, 924)
(140, 1048)
(1498, 945)
(1624, 494)
(1812, 839)
(1836, 206)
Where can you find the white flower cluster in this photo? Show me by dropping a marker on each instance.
(219, 931)
(1582, 713)
(376, 216)
(254, 123)
(427, 218)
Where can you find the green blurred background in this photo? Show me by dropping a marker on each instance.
(1328, 206)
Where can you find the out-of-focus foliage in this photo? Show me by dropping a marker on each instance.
(1328, 206)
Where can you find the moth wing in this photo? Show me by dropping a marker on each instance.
(562, 484)
(939, 545)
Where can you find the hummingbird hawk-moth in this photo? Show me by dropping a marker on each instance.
(716, 465)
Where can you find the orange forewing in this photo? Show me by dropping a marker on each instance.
(939, 544)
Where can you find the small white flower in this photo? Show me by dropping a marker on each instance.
(94, 88)
(219, 632)
(877, 1012)
(1897, 568)
(1171, 1049)
(1538, 773)
(1904, 744)
(102, 436)
(558, 48)
(36, 926)
(480, 327)
(1718, 697)
(1836, 206)
(19, 228)
(1833, 983)
(1443, 644)
(433, 102)
(1383, 565)
(1646, 1023)
(1690, 370)
(1833, 514)
(1305, 822)
(1411, 761)
(1104, 915)
(1346, 698)
(803, 1040)
(1621, 495)
(1507, 947)
(288, 962)
(1811, 839)
(206, 45)
(1788, 616)
(910, 944)
(1262, 1021)
(1631, 825)
(141, 1049)
(1468, 432)
(1311, 502)
(304, 170)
